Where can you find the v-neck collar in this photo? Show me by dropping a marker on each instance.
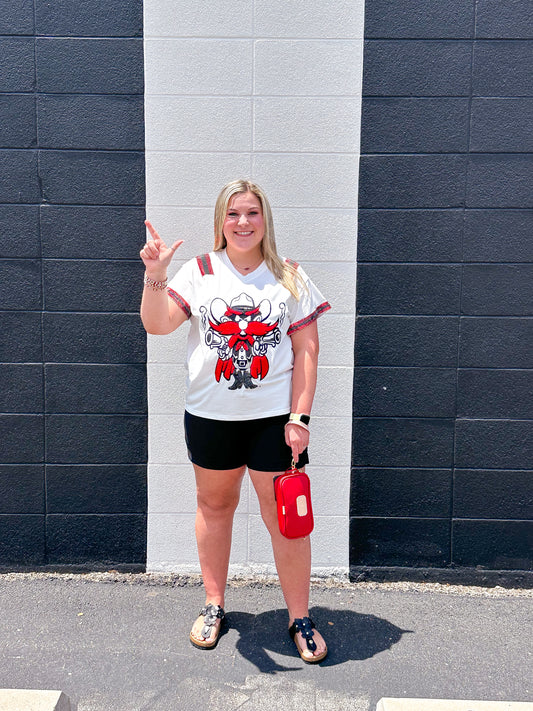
(243, 277)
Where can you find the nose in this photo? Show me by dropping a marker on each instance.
(242, 220)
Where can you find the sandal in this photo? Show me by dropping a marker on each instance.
(210, 613)
(306, 627)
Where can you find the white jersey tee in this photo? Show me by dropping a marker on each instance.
(239, 351)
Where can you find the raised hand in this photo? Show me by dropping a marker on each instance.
(156, 255)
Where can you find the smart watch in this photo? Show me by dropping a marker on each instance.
(296, 418)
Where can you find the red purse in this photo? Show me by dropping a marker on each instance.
(293, 498)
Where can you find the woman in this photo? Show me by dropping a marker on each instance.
(252, 360)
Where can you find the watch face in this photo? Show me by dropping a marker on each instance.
(305, 419)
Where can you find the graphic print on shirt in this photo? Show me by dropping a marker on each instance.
(241, 332)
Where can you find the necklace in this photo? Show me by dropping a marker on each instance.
(243, 270)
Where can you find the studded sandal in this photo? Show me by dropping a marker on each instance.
(210, 613)
(306, 626)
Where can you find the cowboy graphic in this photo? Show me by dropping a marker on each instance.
(241, 333)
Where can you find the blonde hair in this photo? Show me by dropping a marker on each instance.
(285, 273)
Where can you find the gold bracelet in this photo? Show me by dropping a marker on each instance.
(155, 285)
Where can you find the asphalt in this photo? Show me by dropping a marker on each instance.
(121, 643)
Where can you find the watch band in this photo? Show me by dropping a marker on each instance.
(298, 417)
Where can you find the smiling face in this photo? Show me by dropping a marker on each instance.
(244, 226)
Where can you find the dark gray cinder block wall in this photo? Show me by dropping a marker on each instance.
(72, 362)
(443, 421)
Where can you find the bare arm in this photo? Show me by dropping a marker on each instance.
(304, 374)
(159, 314)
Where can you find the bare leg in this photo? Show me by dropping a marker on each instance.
(292, 557)
(218, 494)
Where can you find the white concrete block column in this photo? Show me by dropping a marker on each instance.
(269, 90)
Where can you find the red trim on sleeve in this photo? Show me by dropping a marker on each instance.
(292, 263)
(204, 264)
(184, 306)
(297, 325)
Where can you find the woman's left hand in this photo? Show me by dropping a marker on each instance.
(297, 439)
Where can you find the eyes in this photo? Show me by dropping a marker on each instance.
(233, 214)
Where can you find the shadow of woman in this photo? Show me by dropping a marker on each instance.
(349, 636)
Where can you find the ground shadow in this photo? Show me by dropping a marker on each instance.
(350, 636)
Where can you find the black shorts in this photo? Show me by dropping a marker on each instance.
(228, 444)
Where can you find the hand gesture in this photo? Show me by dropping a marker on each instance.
(155, 254)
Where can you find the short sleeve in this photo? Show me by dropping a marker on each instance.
(181, 288)
(310, 306)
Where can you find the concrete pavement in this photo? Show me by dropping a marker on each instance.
(120, 643)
